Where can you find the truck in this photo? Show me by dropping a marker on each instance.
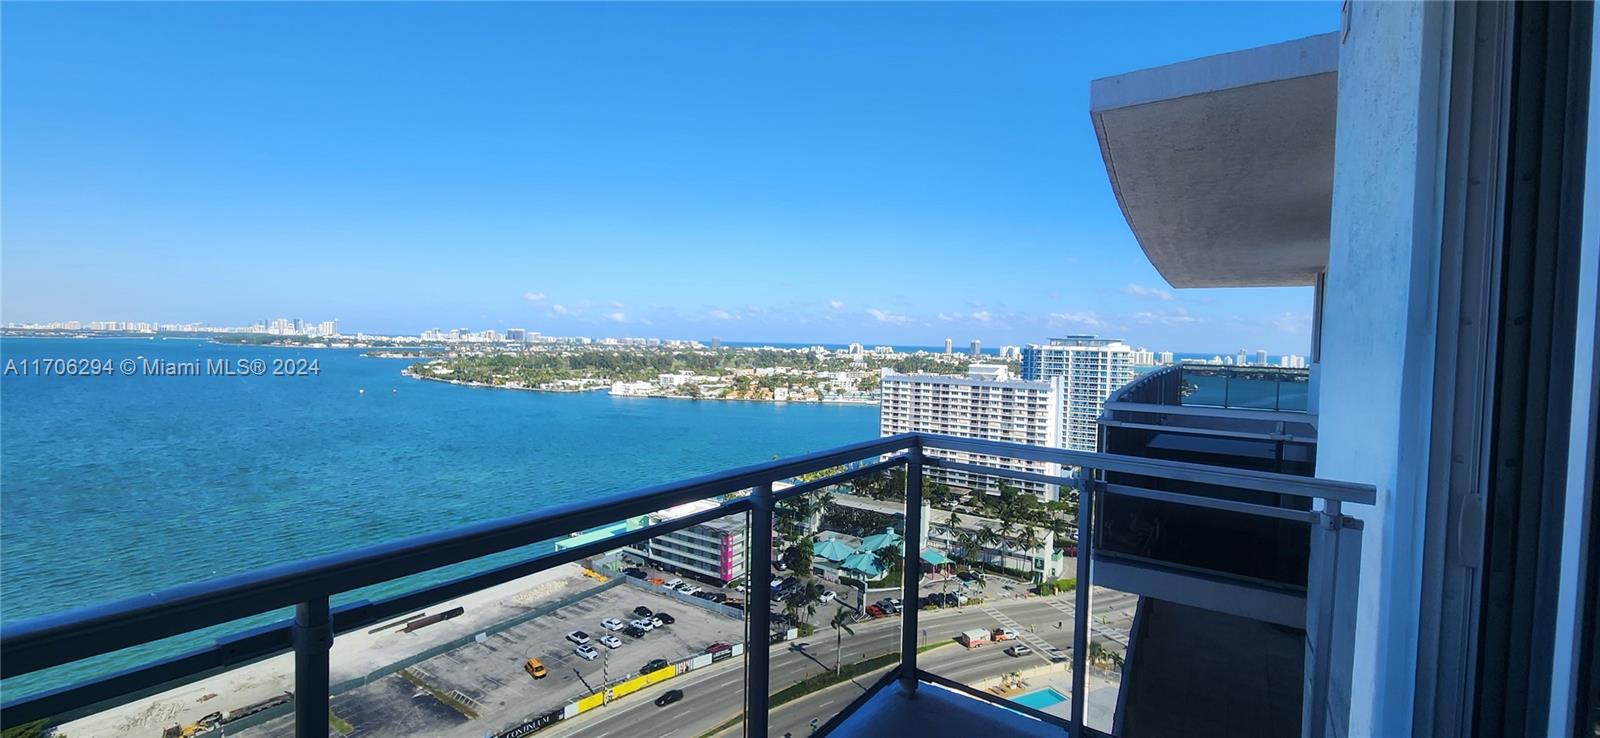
(973, 638)
(1002, 634)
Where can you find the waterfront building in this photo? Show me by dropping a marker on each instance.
(1090, 369)
(713, 550)
(1165, 357)
(977, 347)
(516, 334)
(1261, 357)
(986, 404)
(1143, 357)
(949, 347)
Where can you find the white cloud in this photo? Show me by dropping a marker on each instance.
(1293, 322)
(617, 317)
(533, 296)
(1176, 316)
(836, 305)
(1152, 293)
(1084, 319)
(616, 303)
(721, 314)
(558, 309)
(887, 317)
(982, 316)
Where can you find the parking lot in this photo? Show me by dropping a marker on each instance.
(487, 678)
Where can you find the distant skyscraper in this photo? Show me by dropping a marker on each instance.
(1261, 357)
(716, 343)
(949, 347)
(1166, 357)
(1241, 359)
(977, 347)
(1092, 368)
(329, 328)
(516, 334)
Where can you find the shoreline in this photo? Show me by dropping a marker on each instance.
(481, 385)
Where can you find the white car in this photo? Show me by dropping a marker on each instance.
(579, 637)
(672, 583)
(612, 624)
(587, 652)
(1018, 650)
(688, 589)
(829, 595)
(611, 641)
(644, 625)
(656, 623)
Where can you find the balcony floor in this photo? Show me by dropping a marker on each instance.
(936, 712)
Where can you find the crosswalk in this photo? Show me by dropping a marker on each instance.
(1040, 645)
(1118, 606)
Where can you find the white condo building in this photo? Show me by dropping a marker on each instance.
(986, 404)
(1091, 369)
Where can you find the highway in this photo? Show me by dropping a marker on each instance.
(713, 696)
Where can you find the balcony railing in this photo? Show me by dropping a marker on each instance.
(37, 644)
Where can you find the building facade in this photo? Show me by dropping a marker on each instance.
(1090, 369)
(986, 404)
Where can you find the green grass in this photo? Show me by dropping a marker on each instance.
(340, 724)
(25, 730)
(438, 695)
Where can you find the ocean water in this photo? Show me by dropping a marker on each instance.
(119, 485)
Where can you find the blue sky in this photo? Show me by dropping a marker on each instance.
(884, 173)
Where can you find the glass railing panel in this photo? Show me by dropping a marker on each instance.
(1111, 619)
(997, 610)
(839, 556)
(1294, 395)
(1252, 391)
(1204, 387)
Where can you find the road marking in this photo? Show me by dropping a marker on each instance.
(1094, 627)
(1041, 647)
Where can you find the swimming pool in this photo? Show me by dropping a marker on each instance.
(1040, 699)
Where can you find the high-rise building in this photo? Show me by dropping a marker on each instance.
(1261, 357)
(329, 328)
(986, 404)
(1091, 368)
(1143, 357)
(716, 343)
(949, 347)
(977, 347)
(1165, 357)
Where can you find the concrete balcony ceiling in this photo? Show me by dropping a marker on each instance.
(1223, 165)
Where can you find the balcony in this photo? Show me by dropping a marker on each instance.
(917, 682)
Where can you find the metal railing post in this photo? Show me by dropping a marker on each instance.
(1321, 606)
(911, 570)
(1081, 599)
(313, 637)
(758, 637)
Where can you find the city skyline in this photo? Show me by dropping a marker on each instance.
(926, 172)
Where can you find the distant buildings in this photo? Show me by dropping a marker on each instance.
(1090, 369)
(977, 347)
(949, 347)
(516, 334)
(1143, 357)
(1261, 357)
(1165, 357)
(1292, 361)
(986, 404)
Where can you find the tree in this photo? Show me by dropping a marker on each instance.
(890, 557)
(841, 626)
(803, 598)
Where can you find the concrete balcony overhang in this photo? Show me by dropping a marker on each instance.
(1223, 166)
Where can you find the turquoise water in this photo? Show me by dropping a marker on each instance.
(1040, 699)
(115, 486)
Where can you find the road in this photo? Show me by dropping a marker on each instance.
(713, 696)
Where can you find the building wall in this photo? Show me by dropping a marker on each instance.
(1015, 411)
(1090, 369)
(1377, 339)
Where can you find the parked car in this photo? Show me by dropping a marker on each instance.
(579, 637)
(967, 576)
(672, 583)
(644, 624)
(642, 611)
(689, 589)
(657, 623)
(875, 611)
(665, 618)
(740, 588)
(535, 669)
(829, 595)
(668, 697)
(635, 572)
(587, 652)
(654, 665)
(611, 641)
(612, 624)
(718, 647)
(718, 597)
(1018, 650)
(633, 632)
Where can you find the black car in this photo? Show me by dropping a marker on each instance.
(654, 665)
(665, 618)
(642, 611)
(718, 597)
(668, 697)
(966, 576)
(636, 573)
(704, 595)
(634, 631)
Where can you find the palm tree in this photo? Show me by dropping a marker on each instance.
(805, 598)
(890, 557)
(841, 626)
